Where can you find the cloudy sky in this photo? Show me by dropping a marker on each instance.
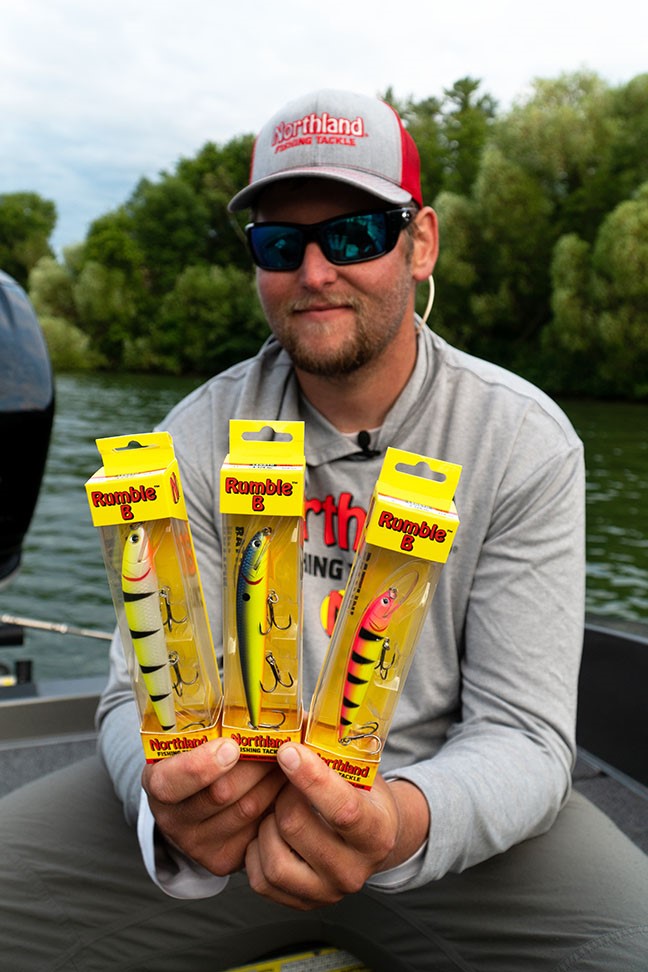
(96, 94)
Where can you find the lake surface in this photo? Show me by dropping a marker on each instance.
(63, 579)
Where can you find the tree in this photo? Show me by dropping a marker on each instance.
(422, 120)
(561, 136)
(107, 309)
(210, 320)
(215, 175)
(620, 268)
(456, 272)
(51, 289)
(466, 123)
(598, 338)
(510, 299)
(26, 223)
(170, 225)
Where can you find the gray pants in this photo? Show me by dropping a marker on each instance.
(74, 896)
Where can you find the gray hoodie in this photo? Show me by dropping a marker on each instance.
(485, 723)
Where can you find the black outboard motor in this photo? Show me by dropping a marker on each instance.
(26, 417)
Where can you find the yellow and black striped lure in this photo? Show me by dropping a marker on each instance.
(141, 592)
(365, 654)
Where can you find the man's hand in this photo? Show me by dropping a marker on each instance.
(325, 837)
(210, 805)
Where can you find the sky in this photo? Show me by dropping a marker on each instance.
(96, 95)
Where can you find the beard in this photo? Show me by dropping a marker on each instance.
(375, 322)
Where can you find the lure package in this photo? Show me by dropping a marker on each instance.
(262, 508)
(136, 502)
(407, 537)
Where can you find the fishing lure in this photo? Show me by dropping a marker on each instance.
(141, 591)
(368, 652)
(254, 619)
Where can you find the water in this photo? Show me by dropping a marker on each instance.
(616, 456)
(63, 579)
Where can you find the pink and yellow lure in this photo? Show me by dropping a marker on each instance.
(252, 598)
(366, 648)
(141, 591)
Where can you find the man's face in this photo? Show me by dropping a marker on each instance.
(332, 319)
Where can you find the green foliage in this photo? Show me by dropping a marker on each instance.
(600, 303)
(26, 223)
(106, 308)
(450, 134)
(543, 264)
(69, 348)
(195, 322)
(51, 289)
(216, 174)
(170, 225)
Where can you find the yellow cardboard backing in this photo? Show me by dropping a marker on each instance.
(139, 480)
(262, 487)
(411, 513)
(408, 534)
(262, 475)
(418, 479)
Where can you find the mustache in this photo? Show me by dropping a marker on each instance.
(327, 302)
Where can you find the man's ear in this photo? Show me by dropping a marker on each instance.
(426, 244)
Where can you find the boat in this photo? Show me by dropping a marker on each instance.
(47, 724)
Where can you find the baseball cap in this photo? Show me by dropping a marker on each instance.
(338, 135)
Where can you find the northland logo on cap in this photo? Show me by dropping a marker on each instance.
(338, 135)
(324, 128)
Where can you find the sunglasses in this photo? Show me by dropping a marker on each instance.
(343, 240)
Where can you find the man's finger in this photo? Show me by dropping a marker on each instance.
(176, 778)
(347, 810)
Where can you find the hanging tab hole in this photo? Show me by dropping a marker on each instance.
(422, 470)
(267, 434)
(133, 444)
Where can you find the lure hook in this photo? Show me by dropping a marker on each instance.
(169, 620)
(382, 667)
(274, 668)
(368, 731)
(273, 598)
(179, 682)
(266, 725)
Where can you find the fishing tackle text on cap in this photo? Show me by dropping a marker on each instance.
(336, 135)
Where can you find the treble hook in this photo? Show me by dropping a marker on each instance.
(266, 725)
(180, 682)
(169, 620)
(370, 733)
(273, 598)
(274, 668)
(384, 669)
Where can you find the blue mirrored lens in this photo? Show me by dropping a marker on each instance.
(277, 247)
(354, 238)
(343, 239)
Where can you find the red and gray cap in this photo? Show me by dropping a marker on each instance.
(336, 135)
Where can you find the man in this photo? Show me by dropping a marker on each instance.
(469, 853)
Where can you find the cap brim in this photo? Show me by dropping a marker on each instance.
(375, 185)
